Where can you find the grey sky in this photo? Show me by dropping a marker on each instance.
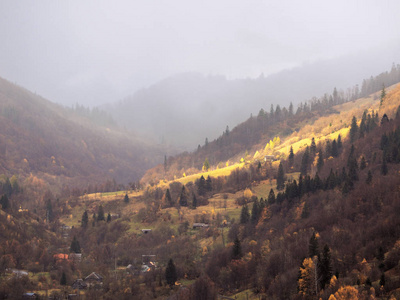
(100, 51)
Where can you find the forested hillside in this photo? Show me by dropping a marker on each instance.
(253, 137)
(63, 146)
(317, 220)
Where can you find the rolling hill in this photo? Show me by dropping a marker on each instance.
(53, 143)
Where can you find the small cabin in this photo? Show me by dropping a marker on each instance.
(269, 158)
(200, 225)
(146, 231)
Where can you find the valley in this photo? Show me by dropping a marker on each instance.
(286, 205)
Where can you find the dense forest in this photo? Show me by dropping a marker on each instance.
(250, 135)
(66, 148)
(318, 222)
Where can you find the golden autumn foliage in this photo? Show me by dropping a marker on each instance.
(247, 193)
(307, 279)
(346, 293)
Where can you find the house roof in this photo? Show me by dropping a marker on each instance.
(94, 276)
(60, 256)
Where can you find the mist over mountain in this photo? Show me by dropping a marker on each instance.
(45, 140)
(185, 109)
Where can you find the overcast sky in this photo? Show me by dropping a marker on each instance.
(100, 51)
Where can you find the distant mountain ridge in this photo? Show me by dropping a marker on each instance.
(184, 109)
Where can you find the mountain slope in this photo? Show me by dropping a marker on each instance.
(325, 117)
(42, 138)
(185, 109)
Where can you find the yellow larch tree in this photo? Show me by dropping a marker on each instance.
(307, 282)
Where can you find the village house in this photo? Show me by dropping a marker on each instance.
(200, 225)
(94, 280)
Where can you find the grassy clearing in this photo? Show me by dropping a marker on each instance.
(246, 295)
(212, 173)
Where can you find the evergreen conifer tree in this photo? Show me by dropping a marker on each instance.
(255, 212)
(170, 273)
(126, 198)
(369, 177)
(383, 95)
(4, 202)
(100, 214)
(183, 197)
(237, 249)
(208, 184)
(85, 219)
(353, 129)
(313, 248)
(384, 167)
(63, 280)
(325, 267)
(291, 156)
(313, 147)
(339, 142)
(206, 164)
(194, 202)
(320, 162)
(108, 218)
(75, 247)
(334, 151)
(201, 186)
(168, 198)
(363, 163)
(305, 162)
(244, 215)
(280, 178)
(271, 197)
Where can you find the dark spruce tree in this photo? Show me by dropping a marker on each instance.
(168, 198)
(183, 197)
(108, 218)
(280, 178)
(63, 280)
(194, 201)
(208, 184)
(100, 214)
(237, 249)
(126, 198)
(291, 156)
(384, 167)
(75, 247)
(170, 273)
(201, 186)
(334, 150)
(369, 177)
(313, 147)
(339, 142)
(363, 163)
(271, 197)
(244, 215)
(305, 162)
(325, 267)
(4, 202)
(353, 130)
(85, 219)
(313, 248)
(255, 212)
(320, 162)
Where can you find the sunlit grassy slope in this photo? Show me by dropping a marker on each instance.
(323, 128)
